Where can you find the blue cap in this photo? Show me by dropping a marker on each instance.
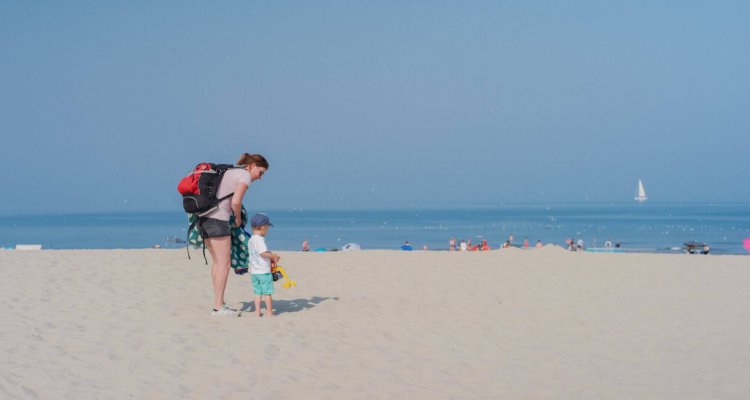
(260, 219)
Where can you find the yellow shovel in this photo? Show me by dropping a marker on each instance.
(278, 269)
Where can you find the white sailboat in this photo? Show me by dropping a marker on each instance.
(641, 193)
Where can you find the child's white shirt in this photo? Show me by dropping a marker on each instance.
(258, 264)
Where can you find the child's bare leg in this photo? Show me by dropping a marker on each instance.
(257, 305)
(269, 306)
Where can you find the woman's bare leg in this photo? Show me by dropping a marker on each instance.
(221, 254)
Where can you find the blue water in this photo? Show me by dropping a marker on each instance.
(639, 227)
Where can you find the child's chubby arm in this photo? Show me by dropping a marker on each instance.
(271, 256)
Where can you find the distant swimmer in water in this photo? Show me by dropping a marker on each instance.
(608, 243)
(305, 245)
(538, 244)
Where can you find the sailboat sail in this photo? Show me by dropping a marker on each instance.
(641, 192)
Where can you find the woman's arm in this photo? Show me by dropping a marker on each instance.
(239, 193)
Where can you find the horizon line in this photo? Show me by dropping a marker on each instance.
(400, 207)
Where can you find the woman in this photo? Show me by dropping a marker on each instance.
(214, 227)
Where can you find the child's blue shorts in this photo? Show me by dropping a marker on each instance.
(262, 284)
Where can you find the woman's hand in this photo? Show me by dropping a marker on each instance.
(237, 222)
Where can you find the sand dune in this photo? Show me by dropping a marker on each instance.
(538, 324)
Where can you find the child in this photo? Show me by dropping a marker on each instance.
(260, 263)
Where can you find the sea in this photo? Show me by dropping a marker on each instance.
(648, 227)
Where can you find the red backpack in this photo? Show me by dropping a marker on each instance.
(200, 187)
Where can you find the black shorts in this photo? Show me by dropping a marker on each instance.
(213, 228)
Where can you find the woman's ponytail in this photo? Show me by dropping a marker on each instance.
(248, 159)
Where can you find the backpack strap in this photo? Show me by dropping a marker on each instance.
(204, 251)
(226, 197)
(187, 238)
(212, 209)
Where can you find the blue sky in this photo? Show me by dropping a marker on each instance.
(107, 104)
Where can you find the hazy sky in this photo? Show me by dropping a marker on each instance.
(106, 105)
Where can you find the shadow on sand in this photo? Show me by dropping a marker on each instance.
(288, 306)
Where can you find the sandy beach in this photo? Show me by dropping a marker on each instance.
(536, 324)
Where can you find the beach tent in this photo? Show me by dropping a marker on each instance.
(351, 247)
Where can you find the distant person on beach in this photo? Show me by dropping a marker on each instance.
(424, 247)
(485, 246)
(507, 244)
(463, 246)
(539, 244)
(214, 226)
(452, 244)
(706, 249)
(608, 243)
(579, 245)
(617, 245)
(407, 246)
(305, 245)
(526, 243)
(260, 260)
(510, 239)
(571, 244)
